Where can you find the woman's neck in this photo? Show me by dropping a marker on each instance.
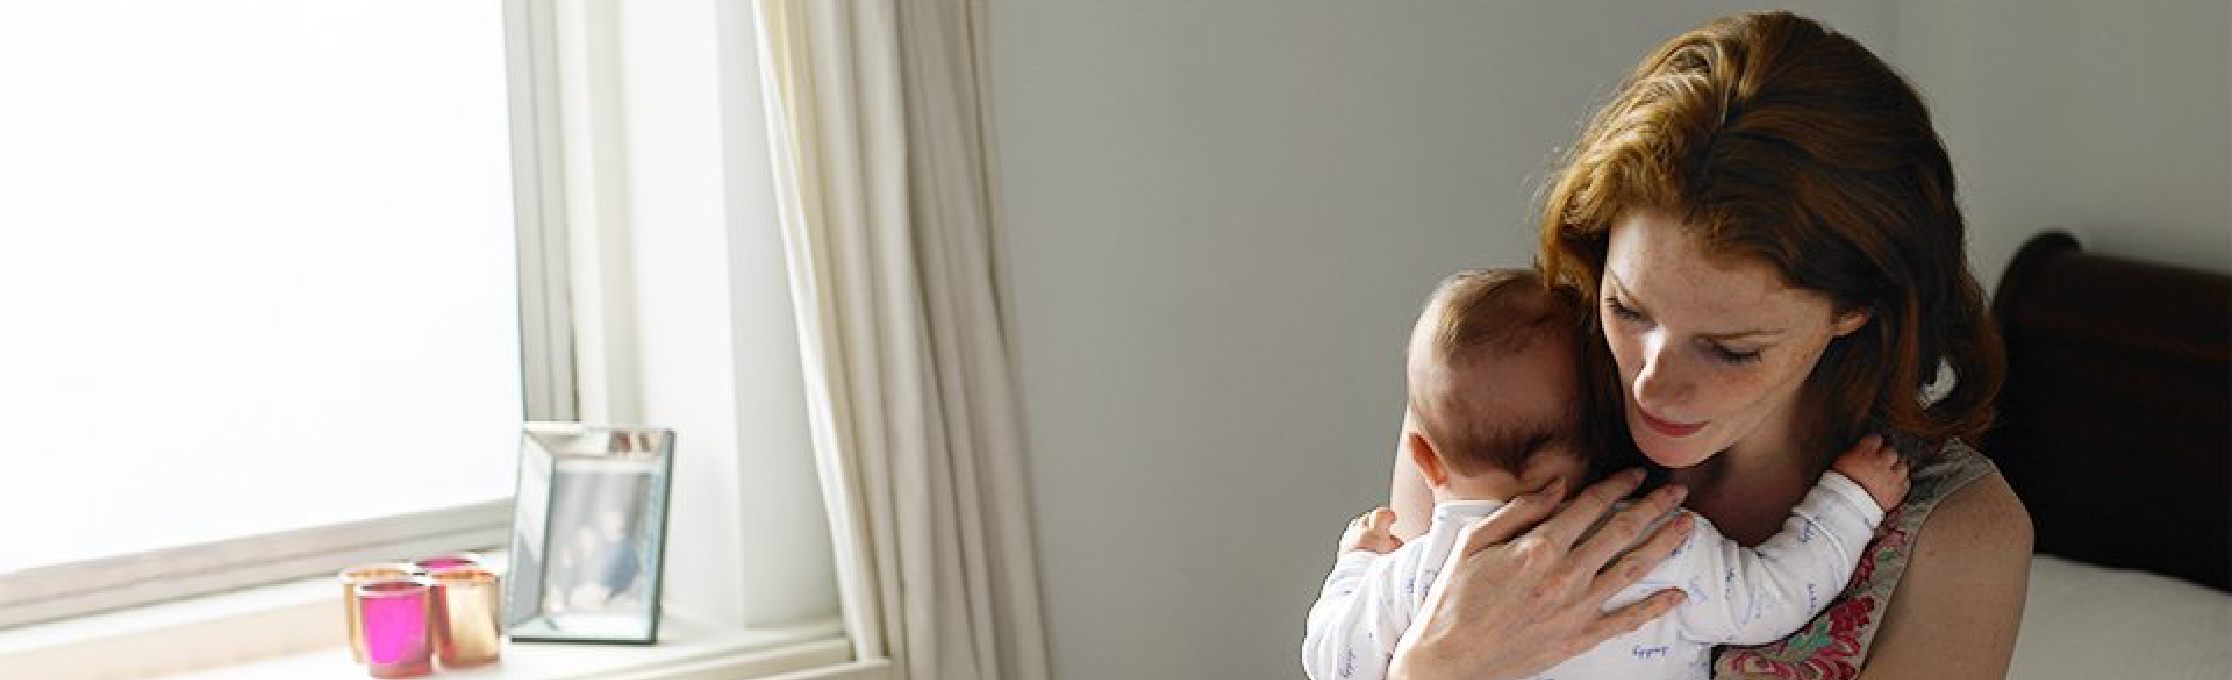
(1748, 489)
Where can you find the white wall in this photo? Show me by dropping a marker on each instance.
(1221, 216)
(2112, 120)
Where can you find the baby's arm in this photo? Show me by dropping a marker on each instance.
(1358, 615)
(1750, 596)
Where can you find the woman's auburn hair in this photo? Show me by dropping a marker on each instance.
(1773, 139)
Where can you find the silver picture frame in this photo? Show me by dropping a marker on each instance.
(589, 534)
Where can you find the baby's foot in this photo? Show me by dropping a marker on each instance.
(1878, 468)
(1372, 531)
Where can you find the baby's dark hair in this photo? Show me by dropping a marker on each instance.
(1476, 314)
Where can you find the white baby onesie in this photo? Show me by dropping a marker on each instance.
(1734, 595)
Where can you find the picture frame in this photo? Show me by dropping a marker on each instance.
(589, 533)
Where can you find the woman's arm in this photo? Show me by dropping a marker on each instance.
(1957, 608)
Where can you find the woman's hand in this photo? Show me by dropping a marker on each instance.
(1511, 607)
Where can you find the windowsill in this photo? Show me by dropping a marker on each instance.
(293, 630)
(684, 651)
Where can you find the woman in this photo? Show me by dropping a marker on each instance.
(1765, 221)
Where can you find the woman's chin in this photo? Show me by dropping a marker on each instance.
(1671, 446)
(1675, 454)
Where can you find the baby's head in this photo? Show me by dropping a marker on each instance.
(1495, 386)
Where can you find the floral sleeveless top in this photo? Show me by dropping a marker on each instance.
(1835, 644)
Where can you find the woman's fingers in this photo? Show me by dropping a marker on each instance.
(1563, 530)
(1628, 618)
(1627, 527)
(1639, 562)
(1512, 519)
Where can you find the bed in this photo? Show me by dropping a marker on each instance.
(2115, 428)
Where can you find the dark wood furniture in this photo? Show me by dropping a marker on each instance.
(2115, 426)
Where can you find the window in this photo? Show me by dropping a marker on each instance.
(645, 282)
(264, 287)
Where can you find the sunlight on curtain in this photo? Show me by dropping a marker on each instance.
(886, 190)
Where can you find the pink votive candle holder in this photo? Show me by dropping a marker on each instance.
(431, 564)
(395, 617)
(358, 575)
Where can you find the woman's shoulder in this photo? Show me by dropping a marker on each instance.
(1952, 611)
(1956, 610)
(1980, 520)
(1962, 492)
(1960, 510)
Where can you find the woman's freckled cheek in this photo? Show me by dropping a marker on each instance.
(1730, 389)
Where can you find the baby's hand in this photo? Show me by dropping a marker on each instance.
(1877, 468)
(1372, 531)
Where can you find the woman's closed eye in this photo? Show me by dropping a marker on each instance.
(1732, 356)
(1717, 351)
(1621, 310)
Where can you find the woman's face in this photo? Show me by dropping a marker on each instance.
(1712, 352)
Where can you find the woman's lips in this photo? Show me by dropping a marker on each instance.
(1667, 428)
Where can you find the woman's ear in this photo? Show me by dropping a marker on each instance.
(1429, 464)
(1848, 321)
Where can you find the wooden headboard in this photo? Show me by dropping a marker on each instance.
(2115, 427)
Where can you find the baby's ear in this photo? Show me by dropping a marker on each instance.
(1429, 463)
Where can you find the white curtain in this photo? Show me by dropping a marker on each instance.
(884, 174)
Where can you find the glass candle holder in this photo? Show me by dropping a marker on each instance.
(358, 575)
(395, 615)
(467, 602)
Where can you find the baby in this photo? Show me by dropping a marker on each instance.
(1492, 381)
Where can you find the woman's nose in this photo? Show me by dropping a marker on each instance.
(1661, 383)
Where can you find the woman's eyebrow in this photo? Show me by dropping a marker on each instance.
(1740, 335)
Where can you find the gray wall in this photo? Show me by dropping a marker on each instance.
(1222, 214)
(2111, 120)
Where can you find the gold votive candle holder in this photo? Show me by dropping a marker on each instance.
(352, 577)
(467, 604)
